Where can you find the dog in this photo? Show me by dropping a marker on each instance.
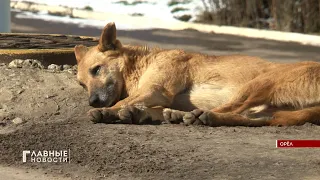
(137, 84)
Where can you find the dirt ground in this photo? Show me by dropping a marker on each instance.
(52, 108)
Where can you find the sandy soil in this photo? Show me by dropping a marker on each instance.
(52, 107)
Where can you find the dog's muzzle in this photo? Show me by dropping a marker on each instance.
(95, 101)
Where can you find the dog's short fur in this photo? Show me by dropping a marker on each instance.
(131, 84)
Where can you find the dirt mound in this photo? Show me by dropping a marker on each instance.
(52, 108)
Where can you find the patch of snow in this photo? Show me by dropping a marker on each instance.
(149, 8)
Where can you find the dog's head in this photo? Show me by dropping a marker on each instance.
(98, 69)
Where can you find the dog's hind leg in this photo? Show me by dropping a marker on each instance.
(298, 117)
(172, 116)
(279, 118)
(255, 93)
(209, 118)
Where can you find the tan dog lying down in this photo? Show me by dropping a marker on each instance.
(131, 84)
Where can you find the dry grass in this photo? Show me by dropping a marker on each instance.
(285, 15)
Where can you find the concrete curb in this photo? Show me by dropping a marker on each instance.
(45, 56)
(57, 55)
(171, 25)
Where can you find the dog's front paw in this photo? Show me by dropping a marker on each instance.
(207, 118)
(192, 118)
(102, 115)
(132, 115)
(172, 116)
(125, 115)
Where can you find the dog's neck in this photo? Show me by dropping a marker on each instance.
(136, 61)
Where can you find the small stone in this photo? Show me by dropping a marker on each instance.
(54, 67)
(36, 64)
(66, 67)
(20, 91)
(17, 63)
(27, 63)
(62, 88)
(17, 120)
(2, 64)
(50, 96)
(3, 107)
(71, 71)
(75, 67)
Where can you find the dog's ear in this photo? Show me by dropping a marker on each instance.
(79, 52)
(108, 39)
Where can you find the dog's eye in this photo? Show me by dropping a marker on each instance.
(96, 70)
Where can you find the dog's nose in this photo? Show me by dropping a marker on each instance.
(94, 100)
